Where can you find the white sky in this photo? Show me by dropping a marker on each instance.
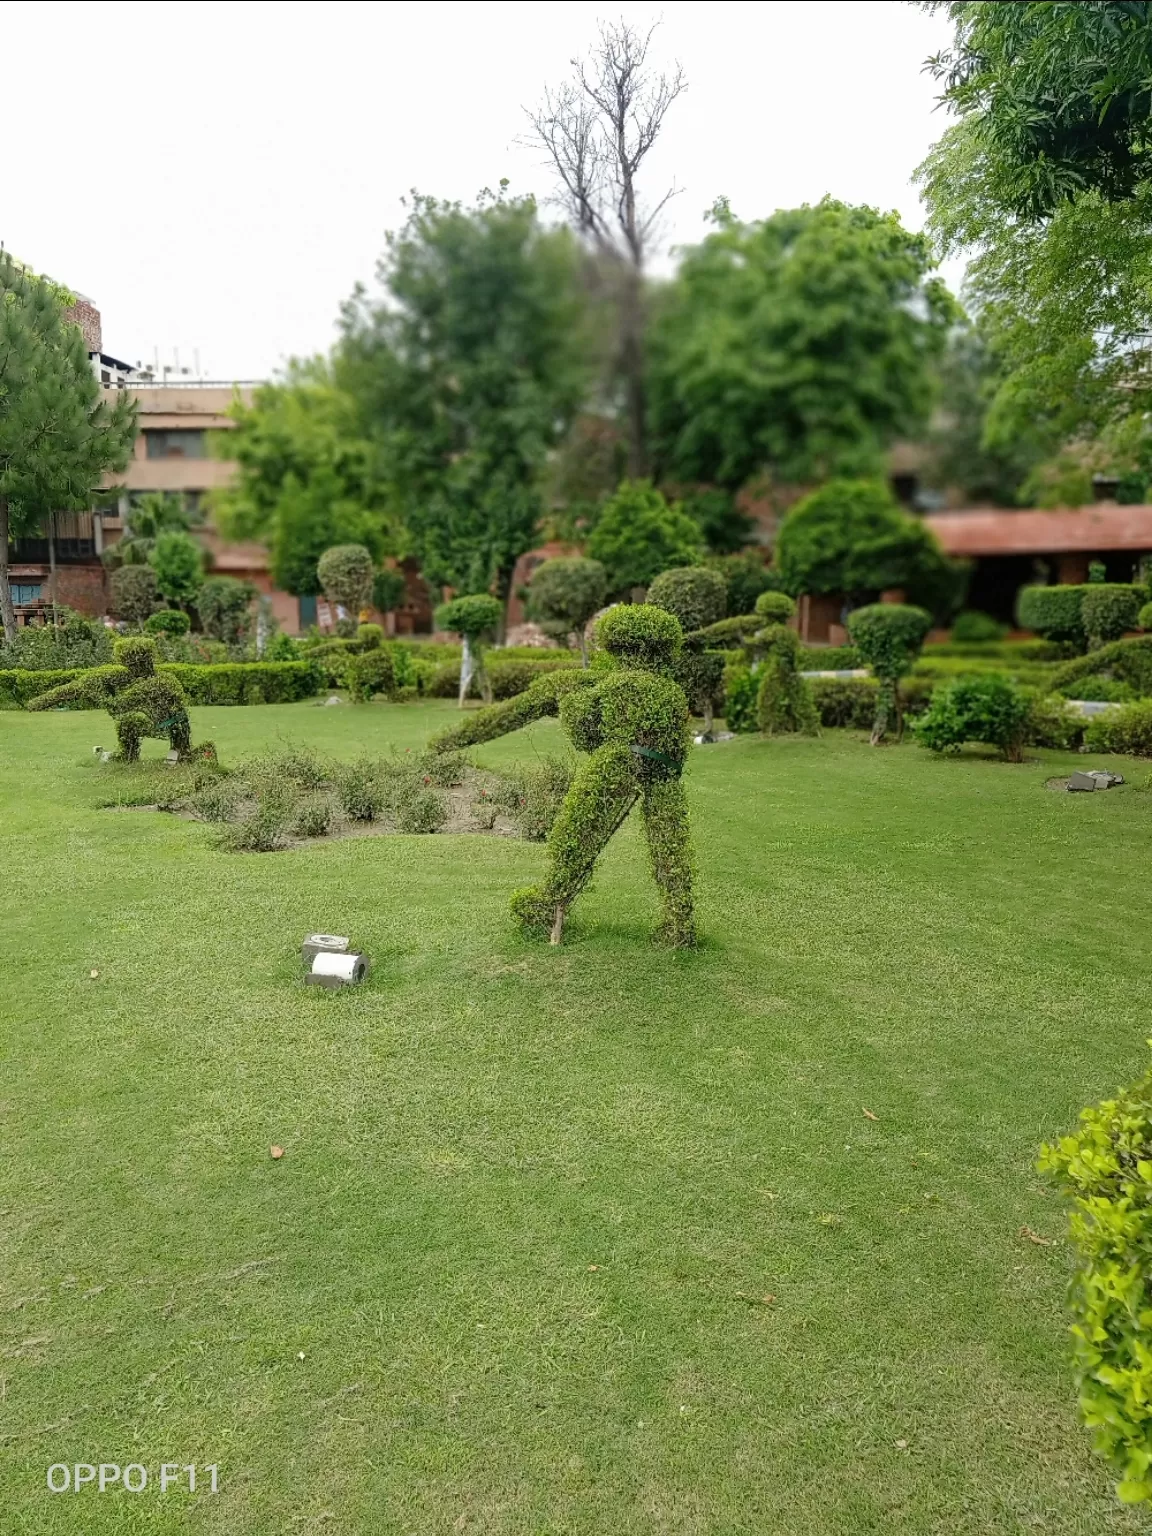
(216, 177)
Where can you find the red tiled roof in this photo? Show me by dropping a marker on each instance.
(992, 531)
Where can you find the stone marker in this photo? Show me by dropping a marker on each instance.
(1093, 779)
(329, 943)
(1082, 781)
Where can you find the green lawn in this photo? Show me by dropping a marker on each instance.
(532, 1198)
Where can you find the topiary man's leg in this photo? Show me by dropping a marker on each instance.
(602, 794)
(180, 733)
(131, 728)
(665, 812)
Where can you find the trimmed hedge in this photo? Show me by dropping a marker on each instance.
(1128, 661)
(1127, 729)
(1058, 612)
(240, 682)
(508, 678)
(845, 702)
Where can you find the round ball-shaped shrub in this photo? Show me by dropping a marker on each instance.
(565, 593)
(1144, 617)
(470, 616)
(346, 574)
(775, 607)
(371, 636)
(639, 634)
(694, 594)
(388, 587)
(168, 621)
(888, 636)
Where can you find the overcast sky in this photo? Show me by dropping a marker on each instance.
(216, 177)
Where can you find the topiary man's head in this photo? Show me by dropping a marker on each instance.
(639, 635)
(137, 654)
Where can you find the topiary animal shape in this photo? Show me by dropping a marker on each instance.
(633, 720)
(141, 701)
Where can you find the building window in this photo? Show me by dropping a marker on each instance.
(25, 592)
(307, 603)
(182, 443)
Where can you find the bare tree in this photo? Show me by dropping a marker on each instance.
(597, 129)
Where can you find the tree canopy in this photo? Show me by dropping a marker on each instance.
(58, 434)
(1045, 182)
(638, 535)
(800, 344)
(465, 374)
(306, 477)
(852, 537)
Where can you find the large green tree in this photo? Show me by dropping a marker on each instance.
(58, 435)
(801, 345)
(306, 477)
(466, 373)
(851, 537)
(1045, 182)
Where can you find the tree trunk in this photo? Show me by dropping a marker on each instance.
(6, 607)
(52, 568)
(708, 718)
(632, 361)
(584, 645)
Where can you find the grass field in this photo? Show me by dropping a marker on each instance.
(591, 1240)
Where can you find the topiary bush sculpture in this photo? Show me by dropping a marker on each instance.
(1104, 1170)
(563, 595)
(347, 575)
(775, 608)
(633, 720)
(475, 619)
(1109, 610)
(784, 700)
(888, 637)
(141, 701)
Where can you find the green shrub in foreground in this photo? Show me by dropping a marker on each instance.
(1106, 1170)
(1126, 661)
(985, 709)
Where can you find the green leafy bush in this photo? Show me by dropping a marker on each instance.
(178, 561)
(1105, 1169)
(1144, 617)
(1109, 609)
(134, 593)
(974, 628)
(850, 702)
(638, 535)
(888, 637)
(1126, 729)
(168, 621)
(531, 796)
(475, 616)
(742, 685)
(368, 674)
(988, 709)
(564, 594)
(388, 588)
(853, 537)
(695, 595)
(745, 577)
(1051, 723)
(76, 641)
(1101, 690)
(421, 811)
(225, 608)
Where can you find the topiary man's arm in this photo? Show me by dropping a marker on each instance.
(91, 691)
(542, 698)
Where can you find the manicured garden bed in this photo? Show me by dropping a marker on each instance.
(580, 1240)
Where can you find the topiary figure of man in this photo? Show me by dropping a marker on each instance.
(784, 700)
(475, 619)
(633, 719)
(142, 701)
(888, 637)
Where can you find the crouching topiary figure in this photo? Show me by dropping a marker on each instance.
(142, 701)
(633, 719)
